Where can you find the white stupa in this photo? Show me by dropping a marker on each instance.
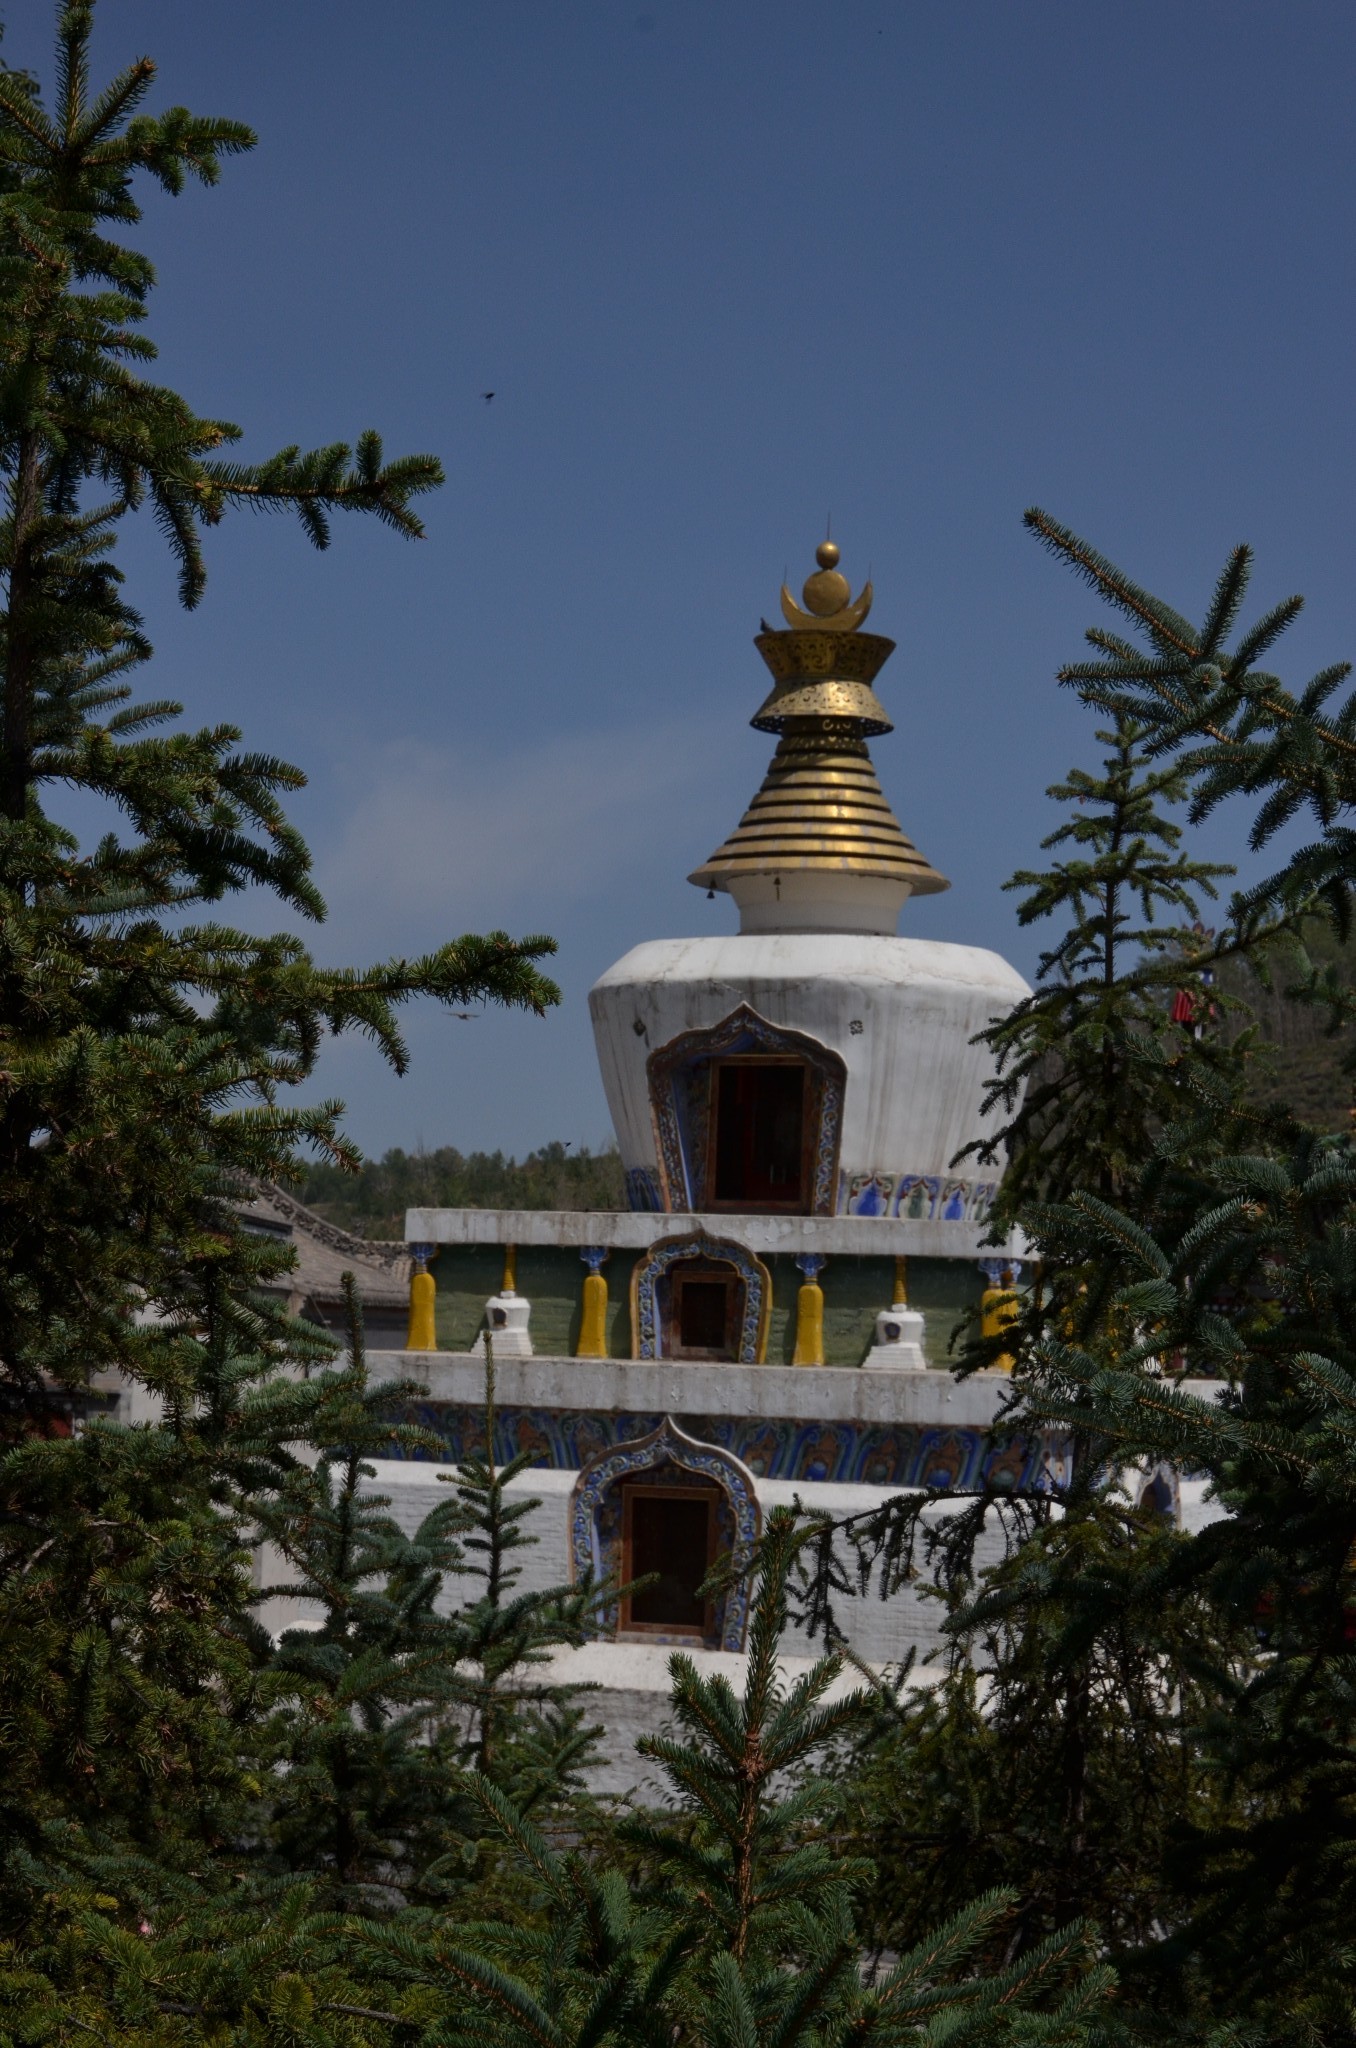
(820, 870)
(771, 1318)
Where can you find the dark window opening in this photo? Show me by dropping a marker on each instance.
(704, 1311)
(758, 1140)
(668, 1531)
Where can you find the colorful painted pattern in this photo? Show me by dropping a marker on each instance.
(867, 1454)
(643, 1192)
(922, 1197)
(664, 1454)
(646, 1311)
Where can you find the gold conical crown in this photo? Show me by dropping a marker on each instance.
(820, 806)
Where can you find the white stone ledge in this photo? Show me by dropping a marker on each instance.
(790, 1393)
(810, 1393)
(643, 1668)
(634, 1230)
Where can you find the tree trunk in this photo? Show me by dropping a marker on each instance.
(21, 653)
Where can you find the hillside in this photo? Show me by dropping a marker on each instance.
(1300, 1060)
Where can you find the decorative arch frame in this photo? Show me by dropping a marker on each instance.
(595, 1520)
(679, 1076)
(651, 1267)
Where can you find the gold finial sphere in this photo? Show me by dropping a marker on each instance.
(828, 590)
(827, 598)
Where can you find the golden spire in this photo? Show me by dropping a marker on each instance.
(821, 811)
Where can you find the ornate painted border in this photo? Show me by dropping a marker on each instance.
(669, 1445)
(771, 1446)
(922, 1197)
(651, 1267)
(679, 1078)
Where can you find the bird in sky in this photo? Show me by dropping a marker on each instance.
(487, 396)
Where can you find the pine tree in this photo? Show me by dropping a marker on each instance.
(739, 1929)
(1235, 727)
(521, 1731)
(728, 1923)
(1055, 1753)
(146, 1047)
(1116, 1659)
(1071, 1778)
(1087, 1064)
(1230, 1249)
(240, 1792)
(74, 412)
(393, 1688)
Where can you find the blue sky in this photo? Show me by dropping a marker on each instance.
(727, 267)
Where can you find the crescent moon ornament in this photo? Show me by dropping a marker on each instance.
(828, 598)
(846, 619)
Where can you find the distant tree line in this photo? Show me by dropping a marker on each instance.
(373, 1201)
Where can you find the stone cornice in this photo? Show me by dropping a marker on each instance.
(860, 1237)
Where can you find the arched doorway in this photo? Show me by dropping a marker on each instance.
(700, 1298)
(666, 1508)
(748, 1118)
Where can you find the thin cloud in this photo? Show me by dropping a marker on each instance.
(432, 838)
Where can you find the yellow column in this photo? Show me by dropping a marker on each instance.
(809, 1314)
(998, 1308)
(422, 1333)
(509, 1283)
(901, 1299)
(593, 1315)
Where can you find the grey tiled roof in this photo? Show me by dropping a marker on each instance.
(325, 1253)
